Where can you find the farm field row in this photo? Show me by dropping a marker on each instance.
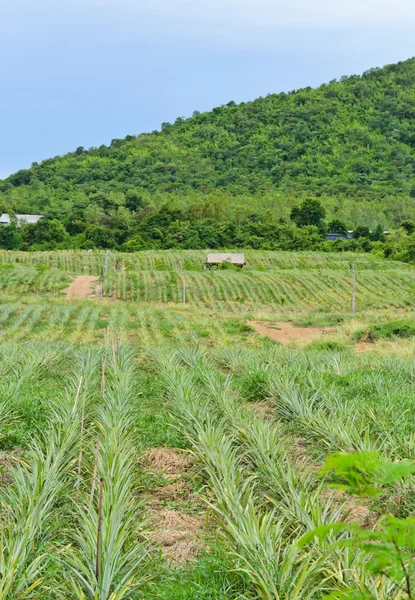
(238, 291)
(231, 291)
(147, 325)
(261, 424)
(258, 421)
(87, 322)
(94, 262)
(322, 281)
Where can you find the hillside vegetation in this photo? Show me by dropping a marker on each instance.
(349, 143)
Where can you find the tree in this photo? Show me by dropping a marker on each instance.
(100, 237)
(47, 232)
(408, 225)
(310, 212)
(377, 234)
(134, 200)
(10, 238)
(361, 231)
(337, 226)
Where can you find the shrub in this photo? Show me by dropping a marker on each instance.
(392, 329)
(236, 326)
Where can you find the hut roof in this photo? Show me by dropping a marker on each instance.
(215, 258)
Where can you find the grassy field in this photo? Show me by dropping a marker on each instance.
(157, 449)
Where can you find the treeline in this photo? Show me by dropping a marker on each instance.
(350, 143)
(204, 226)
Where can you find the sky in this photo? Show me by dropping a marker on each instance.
(82, 72)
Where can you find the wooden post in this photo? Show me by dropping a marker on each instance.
(78, 391)
(353, 290)
(99, 532)
(78, 481)
(103, 367)
(94, 476)
(184, 287)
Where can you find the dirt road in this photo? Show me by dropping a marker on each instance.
(82, 287)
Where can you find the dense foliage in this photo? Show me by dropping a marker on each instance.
(221, 177)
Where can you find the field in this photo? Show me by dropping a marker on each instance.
(158, 448)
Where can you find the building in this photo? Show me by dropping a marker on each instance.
(338, 236)
(214, 259)
(343, 236)
(21, 220)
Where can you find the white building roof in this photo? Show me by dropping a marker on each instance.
(5, 219)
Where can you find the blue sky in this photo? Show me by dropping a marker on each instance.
(81, 72)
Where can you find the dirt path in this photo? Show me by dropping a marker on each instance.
(178, 534)
(287, 332)
(81, 287)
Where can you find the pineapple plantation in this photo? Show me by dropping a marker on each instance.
(155, 445)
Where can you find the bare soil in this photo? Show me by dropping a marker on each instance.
(8, 460)
(177, 533)
(81, 287)
(286, 332)
(263, 409)
(354, 510)
(171, 463)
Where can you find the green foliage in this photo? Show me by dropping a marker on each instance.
(391, 329)
(310, 212)
(390, 548)
(365, 472)
(253, 385)
(408, 225)
(234, 326)
(10, 238)
(337, 226)
(41, 268)
(360, 232)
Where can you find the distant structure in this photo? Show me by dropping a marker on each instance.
(21, 220)
(214, 259)
(338, 236)
(331, 237)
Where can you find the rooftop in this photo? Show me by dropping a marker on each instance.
(234, 259)
(5, 219)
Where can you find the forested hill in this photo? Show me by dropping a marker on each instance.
(350, 143)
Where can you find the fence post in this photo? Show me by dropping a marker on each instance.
(184, 287)
(353, 289)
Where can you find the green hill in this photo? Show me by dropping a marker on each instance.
(350, 143)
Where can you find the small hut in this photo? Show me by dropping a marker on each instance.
(215, 259)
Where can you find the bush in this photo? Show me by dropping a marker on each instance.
(253, 385)
(392, 329)
(236, 326)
